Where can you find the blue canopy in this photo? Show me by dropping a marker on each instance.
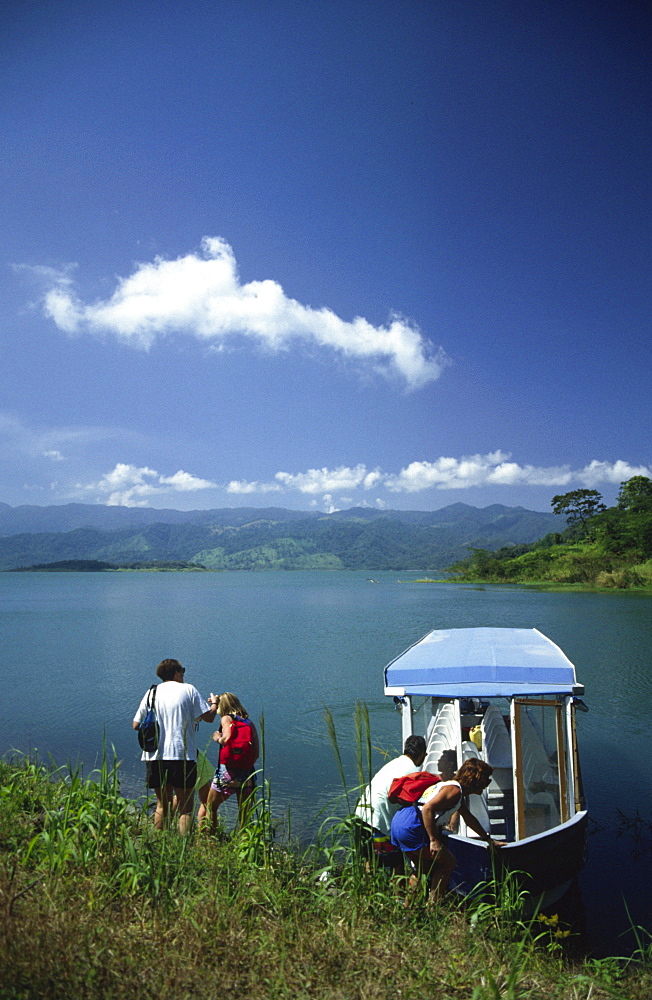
(482, 663)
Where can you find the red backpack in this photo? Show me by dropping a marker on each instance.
(239, 751)
(409, 788)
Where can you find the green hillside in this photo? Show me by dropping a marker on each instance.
(607, 548)
(238, 539)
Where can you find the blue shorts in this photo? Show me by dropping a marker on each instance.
(408, 832)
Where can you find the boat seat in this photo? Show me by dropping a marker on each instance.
(496, 741)
(469, 749)
(442, 735)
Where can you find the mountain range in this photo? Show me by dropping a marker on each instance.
(264, 538)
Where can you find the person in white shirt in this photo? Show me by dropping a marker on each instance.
(172, 767)
(374, 811)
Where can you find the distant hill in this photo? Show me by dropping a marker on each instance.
(264, 538)
(67, 517)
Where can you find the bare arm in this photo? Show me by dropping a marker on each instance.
(212, 712)
(474, 824)
(443, 800)
(223, 736)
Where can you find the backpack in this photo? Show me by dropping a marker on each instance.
(148, 731)
(239, 751)
(409, 788)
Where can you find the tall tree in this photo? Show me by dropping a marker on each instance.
(635, 495)
(579, 506)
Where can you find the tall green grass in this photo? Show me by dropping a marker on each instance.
(94, 903)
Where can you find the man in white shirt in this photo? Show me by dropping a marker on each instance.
(172, 767)
(374, 811)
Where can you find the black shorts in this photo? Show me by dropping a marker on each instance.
(178, 773)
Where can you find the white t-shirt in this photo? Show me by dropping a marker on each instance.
(177, 707)
(374, 807)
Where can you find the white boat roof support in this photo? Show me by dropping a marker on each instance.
(484, 663)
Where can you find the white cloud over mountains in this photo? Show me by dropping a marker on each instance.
(494, 469)
(200, 294)
(130, 486)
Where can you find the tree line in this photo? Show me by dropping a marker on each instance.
(601, 546)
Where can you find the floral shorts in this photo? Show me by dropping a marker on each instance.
(227, 782)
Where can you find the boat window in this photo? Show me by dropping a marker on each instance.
(542, 751)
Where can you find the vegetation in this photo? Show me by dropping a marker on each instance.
(96, 566)
(602, 547)
(360, 538)
(96, 904)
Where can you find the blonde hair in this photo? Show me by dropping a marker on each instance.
(228, 704)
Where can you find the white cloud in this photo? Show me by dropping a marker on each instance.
(185, 483)
(610, 472)
(494, 469)
(444, 473)
(200, 294)
(241, 486)
(316, 481)
(130, 486)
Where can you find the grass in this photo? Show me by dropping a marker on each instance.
(576, 566)
(95, 904)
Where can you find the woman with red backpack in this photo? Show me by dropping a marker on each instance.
(239, 751)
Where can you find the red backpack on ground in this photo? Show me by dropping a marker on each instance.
(409, 788)
(239, 751)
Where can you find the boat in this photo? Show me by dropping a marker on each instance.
(508, 696)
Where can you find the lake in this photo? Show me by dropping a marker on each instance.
(81, 649)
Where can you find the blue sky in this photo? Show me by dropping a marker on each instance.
(320, 254)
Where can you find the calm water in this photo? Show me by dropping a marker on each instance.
(80, 650)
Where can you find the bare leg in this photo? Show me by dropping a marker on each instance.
(215, 800)
(440, 874)
(438, 869)
(185, 798)
(203, 793)
(164, 802)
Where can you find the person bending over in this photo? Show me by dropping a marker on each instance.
(419, 832)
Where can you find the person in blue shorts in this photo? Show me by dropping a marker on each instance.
(418, 830)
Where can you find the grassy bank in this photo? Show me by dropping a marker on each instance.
(94, 904)
(582, 565)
